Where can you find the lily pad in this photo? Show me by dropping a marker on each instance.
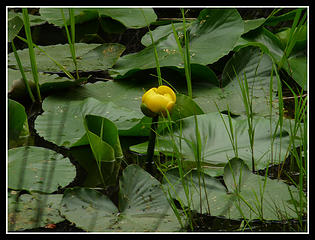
(38, 169)
(142, 206)
(22, 214)
(216, 146)
(47, 83)
(64, 117)
(247, 195)
(90, 57)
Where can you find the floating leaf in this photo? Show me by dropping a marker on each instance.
(38, 169)
(216, 147)
(90, 57)
(64, 115)
(27, 209)
(143, 206)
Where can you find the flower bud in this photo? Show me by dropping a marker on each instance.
(157, 101)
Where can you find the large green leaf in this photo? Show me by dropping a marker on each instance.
(216, 147)
(16, 119)
(247, 195)
(22, 214)
(130, 17)
(38, 169)
(143, 206)
(211, 36)
(90, 57)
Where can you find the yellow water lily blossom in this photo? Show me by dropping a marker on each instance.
(156, 101)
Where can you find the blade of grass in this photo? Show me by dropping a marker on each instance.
(295, 30)
(31, 50)
(158, 69)
(187, 57)
(71, 39)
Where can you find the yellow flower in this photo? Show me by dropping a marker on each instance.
(157, 100)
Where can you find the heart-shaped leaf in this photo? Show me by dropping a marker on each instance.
(143, 206)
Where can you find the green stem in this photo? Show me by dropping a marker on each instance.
(152, 137)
